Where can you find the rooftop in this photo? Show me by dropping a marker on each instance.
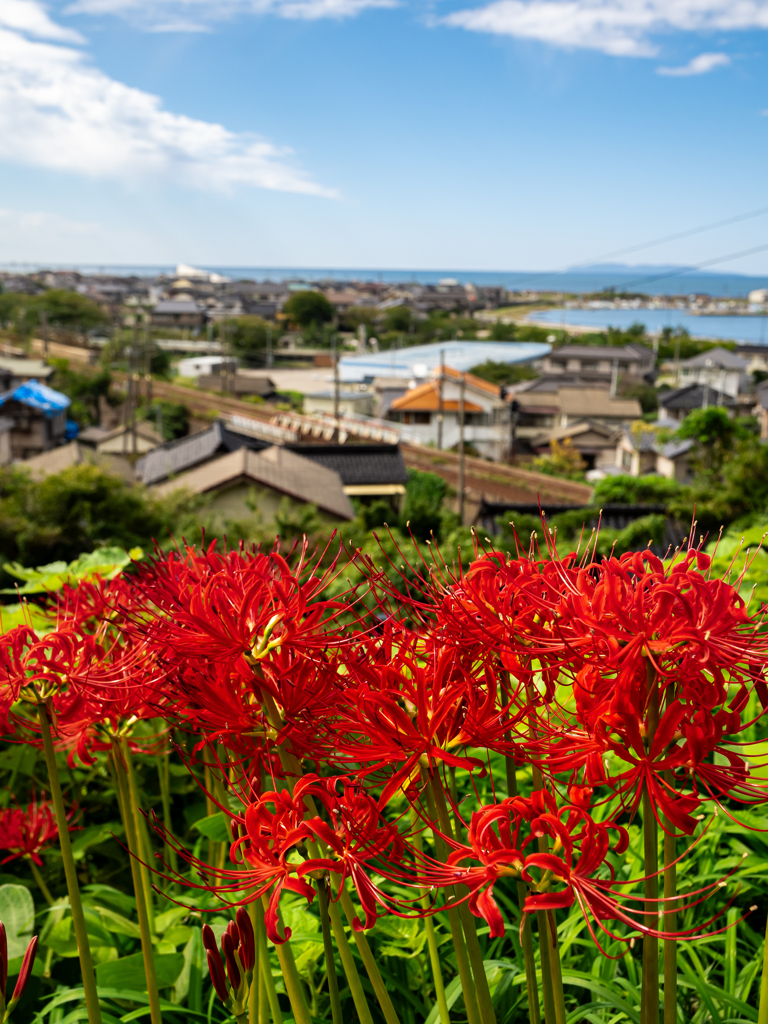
(278, 468)
(38, 396)
(694, 396)
(715, 358)
(421, 361)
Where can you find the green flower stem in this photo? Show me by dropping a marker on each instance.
(372, 970)
(267, 982)
(526, 938)
(129, 821)
(164, 778)
(255, 992)
(649, 1003)
(75, 902)
(348, 963)
(143, 848)
(429, 927)
(330, 961)
(291, 978)
(762, 1015)
(546, 968)
(40, 883)
(551, 972)
(670, 919)
(454, 920)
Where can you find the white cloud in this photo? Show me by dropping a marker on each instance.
(57, 111)
(618, 27)
(32, 18)
(191, 15)
(45, 224)
(698, 65)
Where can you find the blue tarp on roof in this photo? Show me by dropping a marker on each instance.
(38, 396)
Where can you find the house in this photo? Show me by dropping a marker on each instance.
(15, 371)
(594, 441)
(39, 417)
(600, 360)
(6, 454)
(200, 366)
(722, 370)
(177, 313)
(366, 470)
(486, 413)
(125, 439)
(555, 410)
(641, 452)
(351, 403)
(678, 403)
(245, 482)
(76, 454)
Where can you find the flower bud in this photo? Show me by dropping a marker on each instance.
(217, 976)
(247, 939)
(209, 939)
(26, 970)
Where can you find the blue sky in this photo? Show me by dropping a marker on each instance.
(510, 134)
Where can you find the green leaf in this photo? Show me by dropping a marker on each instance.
(401, 937)
(128, 971)
(17, 912)
(213, 827)
(117, 923)
(169, 918)
(94, 835)
(105, 563)
(24, 614)
(20, 758)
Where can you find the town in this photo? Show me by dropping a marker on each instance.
(255, 408)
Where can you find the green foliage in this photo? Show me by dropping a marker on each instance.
(564, 461)
(293, 520)
(174, 417)
(503, 373)
(635, 490)
(308, 309)
(424, 495)
(248, 336)
(645, 393)
(77, 510)
(61, 307)
(715, 434)
(105, 563)
(398, 318)
(85, 390)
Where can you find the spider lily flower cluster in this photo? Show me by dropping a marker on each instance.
(414, 751)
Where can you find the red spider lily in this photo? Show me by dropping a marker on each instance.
(24, 973)
(413, 713)
(226, 607)
(24, 832)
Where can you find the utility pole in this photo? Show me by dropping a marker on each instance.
(614, 378)
(148, 360)
(135, 377)
(44, 326)
(335, 361)
(269, 348)
(677, 361)
(462, 389)
(440, 404)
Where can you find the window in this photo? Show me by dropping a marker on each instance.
(626, 460)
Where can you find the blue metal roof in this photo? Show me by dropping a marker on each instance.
(423, 360)
(38, 396)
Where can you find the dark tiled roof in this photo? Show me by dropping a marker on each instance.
(692, 397)
(358, 463)
(355, 464)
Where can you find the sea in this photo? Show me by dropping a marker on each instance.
(648, 279)
(752, 330)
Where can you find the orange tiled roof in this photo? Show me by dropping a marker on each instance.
(473, 381)
(426, 398)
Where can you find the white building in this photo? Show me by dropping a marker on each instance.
(486, 414)
(722, 370)
(201, 366)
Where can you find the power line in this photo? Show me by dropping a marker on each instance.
(673, 238)
(698, 266)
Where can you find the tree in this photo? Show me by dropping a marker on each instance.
(714, 432)
(635, 490)
(398, 318)
(564, 460)
(85, 390)
(503, 373)
(174, 417)
(249, 339)
(308, 309)
(424, 496)
(70, 309)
